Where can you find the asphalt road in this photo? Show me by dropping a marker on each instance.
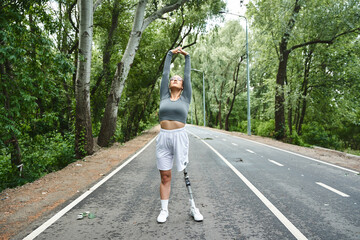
(245, 190)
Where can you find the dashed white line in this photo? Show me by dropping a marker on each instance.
(296, 232)
(234, 144)
(249, 151)
(332, 189)
(224, 139)
(296, 154)
(275, 162)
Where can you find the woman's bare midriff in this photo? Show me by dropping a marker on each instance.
(171, 125)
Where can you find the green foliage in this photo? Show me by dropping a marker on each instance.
(42, 154)
(316, 134)
(35, 99)
(266, 129)
(140, 99)
(218, 54)
(37, 74)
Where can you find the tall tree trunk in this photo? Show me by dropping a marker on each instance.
(290, 113)
(219, 116)
(195, 111)
(305, 88)
(303, 111)
(289, 108)
(108, 124)
(220, 105)
(281, 75)
(105, 73)
(235, 78)
(83, 127)
(99, 97)
(283, 59)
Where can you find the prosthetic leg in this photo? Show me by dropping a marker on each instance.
(193, 210)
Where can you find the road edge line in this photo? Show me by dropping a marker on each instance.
(62, 212)
(294, 231)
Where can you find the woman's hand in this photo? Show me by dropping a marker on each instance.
(179, 50)
(184, 53)
(176, 50)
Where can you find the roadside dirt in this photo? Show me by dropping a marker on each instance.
(20, 206)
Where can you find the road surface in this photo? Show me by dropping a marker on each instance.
(244, 189)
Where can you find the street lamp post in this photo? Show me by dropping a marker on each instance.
(248, 73)
(203, 91)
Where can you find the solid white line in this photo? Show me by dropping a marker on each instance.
(234, 144)
(274, 162)
(296, 232)
(56, 217)
(332, 189)
(249, 151)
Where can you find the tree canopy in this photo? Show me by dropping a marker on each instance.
(304, 81)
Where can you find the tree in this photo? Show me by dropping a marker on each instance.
(219, 54)
(301, 16)
(32, 71)
(83, 127)
(108, 125)
(139, 105)
(234, 92)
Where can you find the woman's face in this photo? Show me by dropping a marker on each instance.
(176, 82)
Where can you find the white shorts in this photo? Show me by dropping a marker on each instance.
(172, 145)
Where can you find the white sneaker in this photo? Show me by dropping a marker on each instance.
(196, 214)
(163, 216)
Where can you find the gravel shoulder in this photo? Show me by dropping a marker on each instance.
(21, 206)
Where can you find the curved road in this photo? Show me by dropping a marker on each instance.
(244, 189)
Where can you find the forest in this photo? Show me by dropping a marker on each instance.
(75, 73)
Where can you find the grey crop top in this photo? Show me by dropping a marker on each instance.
(175, 110)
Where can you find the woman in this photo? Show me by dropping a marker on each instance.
(172, 144)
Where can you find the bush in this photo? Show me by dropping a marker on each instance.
(242, 126)
(7, 171)
(296, 139)
(41, 154)
(266, 129)
(315, 134)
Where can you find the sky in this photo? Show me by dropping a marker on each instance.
(232, 6)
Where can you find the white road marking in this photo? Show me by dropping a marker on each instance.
(275, 162)
(332, 189)
(224, 139)
(234, 144)
(249, 151)
(296, 232)
(62, 212)
(296, 154)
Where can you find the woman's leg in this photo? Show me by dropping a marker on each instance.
(165, 185)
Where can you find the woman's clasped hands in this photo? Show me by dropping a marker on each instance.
(179, 50)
